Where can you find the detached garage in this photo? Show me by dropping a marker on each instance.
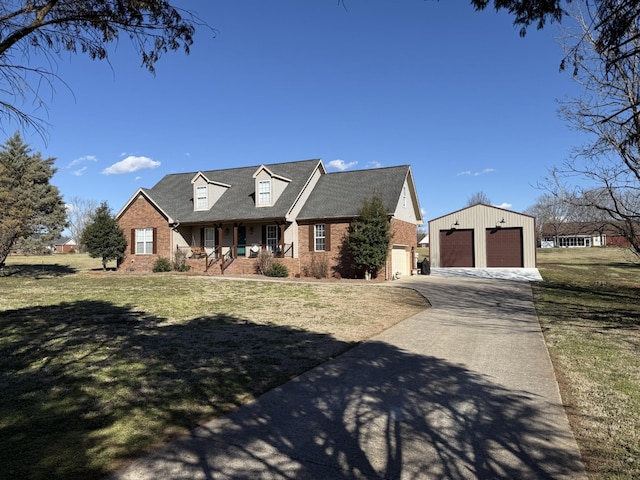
(483, 236)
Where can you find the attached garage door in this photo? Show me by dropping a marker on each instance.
(504, 247)
(400, 261)
(456, 248)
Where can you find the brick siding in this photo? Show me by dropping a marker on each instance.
(142, 214)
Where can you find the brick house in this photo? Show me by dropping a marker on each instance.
(221, 220)
(584, 234)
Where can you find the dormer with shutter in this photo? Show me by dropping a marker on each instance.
(206, 192)
(268, 186)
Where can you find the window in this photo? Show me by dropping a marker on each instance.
(144, 241)
(320, 237)
(209, 237)
(264, 192)
(201, 198)
(272, 237)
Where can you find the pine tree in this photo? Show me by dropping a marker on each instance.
(370, 236)
(103, 237)
(29, 204)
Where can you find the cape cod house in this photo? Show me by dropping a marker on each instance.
(221, 220)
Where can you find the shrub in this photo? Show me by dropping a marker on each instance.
(318, 268)
(162, 265)
(180, 263)
(277, 269)
(264, 261)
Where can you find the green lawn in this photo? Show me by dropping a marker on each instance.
(98, 367)
(589, 308)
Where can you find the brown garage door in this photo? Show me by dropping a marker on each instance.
(456, 248)
(504, 247)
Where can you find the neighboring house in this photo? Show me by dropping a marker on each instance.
(424, 242)
(483, 236)
(221, 220)
(65, 245)
(582, 234)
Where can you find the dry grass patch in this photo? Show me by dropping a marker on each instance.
(97, 368)
(589, 309)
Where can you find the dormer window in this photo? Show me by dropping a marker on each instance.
(264, 192)
(268, 187)
(202, 201)
(206, 192)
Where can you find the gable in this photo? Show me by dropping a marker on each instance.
(268, 186)
(206, 192)
(408, 207)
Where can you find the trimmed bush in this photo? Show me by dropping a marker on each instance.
(162, 265)
(277, 269)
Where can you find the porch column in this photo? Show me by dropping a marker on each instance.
(235, 241)
(281, 241)
(219, 241)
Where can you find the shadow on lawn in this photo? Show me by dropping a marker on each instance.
(614, 306)
(30, 270)
(88, 385)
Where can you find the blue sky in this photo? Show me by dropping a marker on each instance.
(454, 93)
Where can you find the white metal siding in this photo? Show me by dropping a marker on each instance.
(479, 218)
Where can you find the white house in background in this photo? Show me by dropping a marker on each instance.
(424, 242)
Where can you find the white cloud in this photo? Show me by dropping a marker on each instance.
(79, 172)
(475, 174)
(374, 164)
(81, 160)
(504, 205)
(130, 164)
(341, 164)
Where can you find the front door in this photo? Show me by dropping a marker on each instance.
(242, 241)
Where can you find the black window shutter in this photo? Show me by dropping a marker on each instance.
(327, 237)
(312, 237)
(133, 241)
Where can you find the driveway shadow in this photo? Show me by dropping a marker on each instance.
(376, 412)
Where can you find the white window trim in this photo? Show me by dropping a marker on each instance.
(209, 237)
(144, 241)
(202, 201)
(271, 237)
(264, 195)
(322, 237)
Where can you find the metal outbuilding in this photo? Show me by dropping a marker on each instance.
(483, 236)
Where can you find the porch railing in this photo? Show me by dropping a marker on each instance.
(224, 254)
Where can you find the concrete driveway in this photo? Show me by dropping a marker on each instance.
(463, 390)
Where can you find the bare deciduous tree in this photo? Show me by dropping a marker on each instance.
(478, 197)
(79, 211)
(551, 213)
(604, 174)
(34, 32)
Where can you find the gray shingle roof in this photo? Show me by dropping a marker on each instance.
(174, 193)
(341, 194)
(336, 195)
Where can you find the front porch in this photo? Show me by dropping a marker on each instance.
(219, 248)
(236, 259)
